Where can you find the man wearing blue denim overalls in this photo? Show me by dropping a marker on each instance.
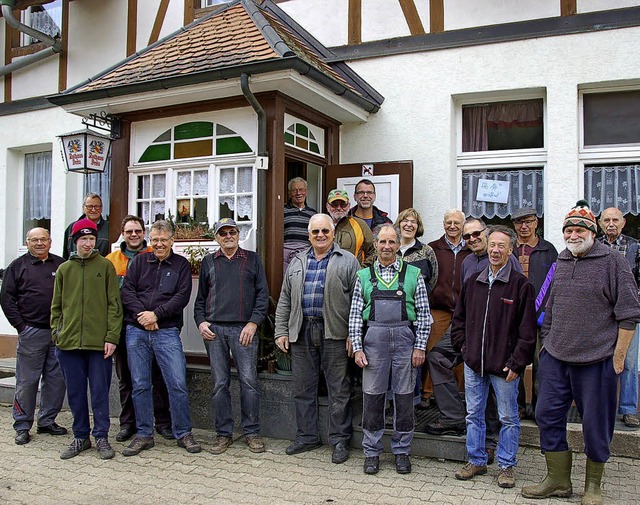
(390, 297)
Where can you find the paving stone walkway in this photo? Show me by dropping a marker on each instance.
(34, 474)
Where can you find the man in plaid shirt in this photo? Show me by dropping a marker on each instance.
(390, 297)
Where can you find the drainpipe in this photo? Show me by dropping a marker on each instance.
(54, 44)
(262, 173)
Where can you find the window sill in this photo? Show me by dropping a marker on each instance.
(17, 52)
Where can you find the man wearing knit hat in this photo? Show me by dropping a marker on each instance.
(86, 318)
(581, 362)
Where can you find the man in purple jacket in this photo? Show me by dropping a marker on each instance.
(156, 289)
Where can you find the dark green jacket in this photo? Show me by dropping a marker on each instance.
(86, 310)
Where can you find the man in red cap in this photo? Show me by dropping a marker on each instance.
(581, 362)
(86, 318)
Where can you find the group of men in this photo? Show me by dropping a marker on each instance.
(502, 299)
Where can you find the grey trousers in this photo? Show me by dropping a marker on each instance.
(35, 359)
(441, 361)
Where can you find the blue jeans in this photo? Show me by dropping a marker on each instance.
(246, 359)
(476, 391)
(629, 379)
(80, 367)
(166, 346)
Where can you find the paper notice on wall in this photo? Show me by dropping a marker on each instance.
(493, 191)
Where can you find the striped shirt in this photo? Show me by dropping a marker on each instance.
(296, 222)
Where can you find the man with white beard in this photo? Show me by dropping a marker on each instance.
(580, 362)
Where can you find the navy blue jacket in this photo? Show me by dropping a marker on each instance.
(161, 286)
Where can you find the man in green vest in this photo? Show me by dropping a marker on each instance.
(391, 299)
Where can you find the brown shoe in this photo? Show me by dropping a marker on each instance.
(255, 443)
(468, 471)
(631, 421)
(221, 444)
(189, 443)
(506, 477)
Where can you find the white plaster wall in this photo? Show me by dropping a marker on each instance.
(32, 132)
(37, 79)
(603, 5)
(417, 119)
(326, 20)
(147, 11)
(467, 13)
(174, 18)
(98, 37)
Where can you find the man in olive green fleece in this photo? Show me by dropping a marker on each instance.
(86, 318)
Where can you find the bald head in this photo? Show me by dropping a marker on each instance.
(612, 222)
(38, 243)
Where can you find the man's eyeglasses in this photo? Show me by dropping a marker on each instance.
(368, 193)
(297, 190)
(131, 232)
(231, 233)
(528, 222)
(93, 207)
(156, 241)
(38, 240)
(474, 234)
(339, 203)
(325, 231)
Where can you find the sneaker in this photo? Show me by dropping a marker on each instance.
(631, 421)
(189, 443)
(371, 465)
(221, 444)
(468, 471)
(76, 446)
(138, 445)
(105, 450)
(403, 463)
(506, 477)
(255, 443)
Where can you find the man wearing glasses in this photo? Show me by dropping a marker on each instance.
(133, 243)
(365, 196)
(312, 323)
(296, 219)
(351, 233)
(27, 290)
(232, 301)
(92, 209)
(537, 258)
(156, 290)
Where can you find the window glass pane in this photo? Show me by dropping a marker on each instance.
(193, 149)
(144, 186)
(302, 130)
(158, 152)
(195, 130)
(183, 211)
(612, 118)
(244, 230)
(314, 148)
(223, 130)
(302, 143)
(200, 210)
(159, 185)
(245, 208)
(227, 206)
(232, 145)
(184, 183)
(245, 179)
(37, 191)
(288, 138)
(503, 125)
(158, 210)
(201, 182)
(143, 211)
(227, 181)
(165, 137)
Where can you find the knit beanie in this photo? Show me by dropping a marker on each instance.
(581, 215)
(83, 227)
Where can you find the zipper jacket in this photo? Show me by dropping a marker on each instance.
(163, 287)
(494, 326)
(447, 289)
(86, 311)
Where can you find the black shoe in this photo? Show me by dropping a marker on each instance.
(299, 447)
(491, 455)
(403, 463)
(165, 432)
(371, 465)
(340, 453)
(440, 427)
(22, 437)
(52, 429)
(138, 445)
(125, 433)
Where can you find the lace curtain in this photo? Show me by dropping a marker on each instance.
(101, 184)
(526, 189)
(613, 186)
(37, 186)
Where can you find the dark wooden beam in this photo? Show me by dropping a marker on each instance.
(355, 22)
(413, 18)
(63, 55)
(189, 11)
(436, 16)
(157, 24)
(132, 26)
(568, 7)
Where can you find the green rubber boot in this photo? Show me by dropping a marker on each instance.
(592, 491)
(558, 479)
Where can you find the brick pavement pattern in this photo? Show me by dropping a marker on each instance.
(34, 474)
